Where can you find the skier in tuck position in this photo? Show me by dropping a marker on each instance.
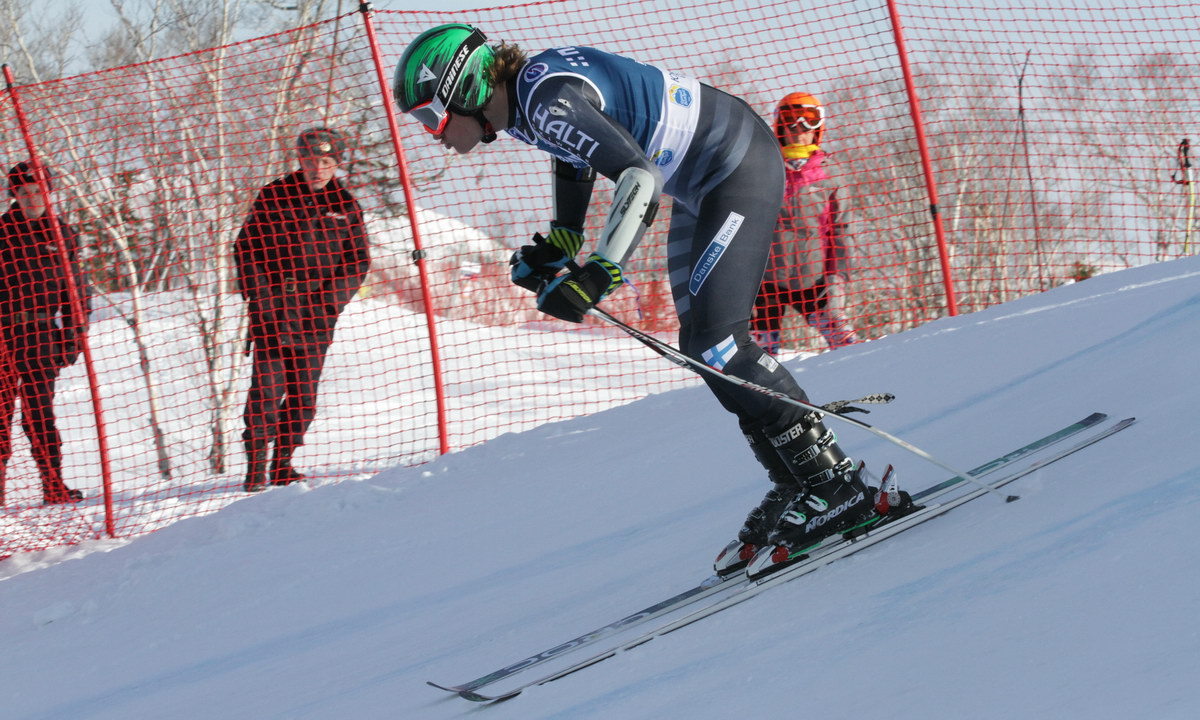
(650, 131)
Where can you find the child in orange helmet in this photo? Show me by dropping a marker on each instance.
(807, 269)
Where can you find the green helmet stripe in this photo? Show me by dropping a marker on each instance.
(426, 61)
(434, 53)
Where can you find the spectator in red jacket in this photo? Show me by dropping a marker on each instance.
(301, 256)
(808, 265)
(39, 333)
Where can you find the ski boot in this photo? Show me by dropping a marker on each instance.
(832, 496)
(793, 538)
(839, 505)
(833, 502)
(763, 518)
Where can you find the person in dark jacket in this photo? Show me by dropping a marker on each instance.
(301, 256)
(39, 333)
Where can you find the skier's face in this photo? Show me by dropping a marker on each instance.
(799, 124)
(798, 136)
(461, 134)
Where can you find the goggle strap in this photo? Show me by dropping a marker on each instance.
(489, 132)
(456, 65)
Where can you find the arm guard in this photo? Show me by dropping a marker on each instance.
(611, 152)
(635, 202)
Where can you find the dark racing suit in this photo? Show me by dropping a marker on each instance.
(720, 162)
(39, 336)
(301, 256)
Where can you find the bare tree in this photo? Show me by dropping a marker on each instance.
(199, 190)
(1134, 159)
(36, 45)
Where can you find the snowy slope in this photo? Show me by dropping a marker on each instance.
(1078, 601)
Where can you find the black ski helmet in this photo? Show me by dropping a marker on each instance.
(445, 68)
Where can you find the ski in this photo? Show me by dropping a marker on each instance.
(706, 588)
(715, 584)
(935, 491)
(749, 589)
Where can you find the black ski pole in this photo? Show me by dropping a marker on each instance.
(676, 356)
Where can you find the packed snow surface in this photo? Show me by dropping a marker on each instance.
(341, 600)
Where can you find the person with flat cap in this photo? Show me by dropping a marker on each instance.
(301, 256)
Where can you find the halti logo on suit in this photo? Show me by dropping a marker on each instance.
(568, 136)
(712, 255)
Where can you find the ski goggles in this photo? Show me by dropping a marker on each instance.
(802, 117)
(435, 113)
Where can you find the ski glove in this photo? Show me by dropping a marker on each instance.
(535, 265)
(565, 239)
(571, 296)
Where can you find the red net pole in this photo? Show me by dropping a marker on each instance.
(77, 310)
(418, 252)
(914, 109)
